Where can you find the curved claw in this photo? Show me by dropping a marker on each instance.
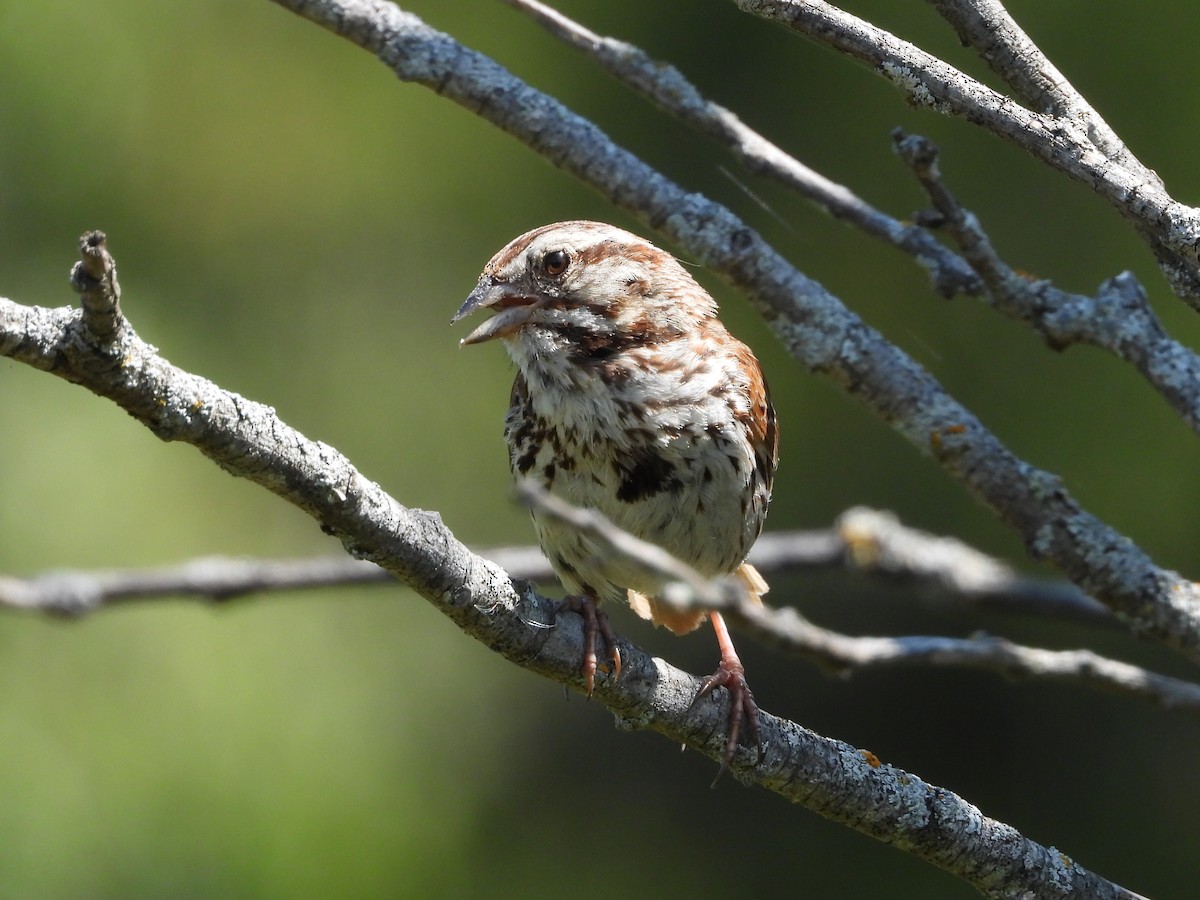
(742, 709)
(595, 622)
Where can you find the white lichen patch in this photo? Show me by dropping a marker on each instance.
(903, 78)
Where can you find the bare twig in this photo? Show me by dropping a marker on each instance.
(815, 326)
(667, 86)
(1067, 142)
(693, 587)
(1118, 318)
(249, 440)
(865, 541)
(788, 630)
(215, 579)
(879, 544)
(987, 26)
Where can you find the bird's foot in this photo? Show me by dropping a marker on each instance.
(595, 623)
(743, 711)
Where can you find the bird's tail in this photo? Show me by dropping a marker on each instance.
(683, 621)
(755, 584)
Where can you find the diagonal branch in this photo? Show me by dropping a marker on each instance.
(667, 87)
(987, 26)
(816, 327)
(1064, 142)
(248, 440)
(1119, 318)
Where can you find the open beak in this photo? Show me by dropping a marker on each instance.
(511, 310)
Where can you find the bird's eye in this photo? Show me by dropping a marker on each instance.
(555, 262)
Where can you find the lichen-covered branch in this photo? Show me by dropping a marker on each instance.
(815, 326)
(98, 349)
(667, 86)
(1062, 136)
(862, 542)
(1118, 318)
(987, 26)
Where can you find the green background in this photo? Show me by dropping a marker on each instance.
(293, 223)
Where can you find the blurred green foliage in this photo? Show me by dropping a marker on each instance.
(292, 222)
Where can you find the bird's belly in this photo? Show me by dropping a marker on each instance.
(690, 504)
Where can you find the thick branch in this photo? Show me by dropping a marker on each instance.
(1118, 318)
(816, 327)
(247, 439)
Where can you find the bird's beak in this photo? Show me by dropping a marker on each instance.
(512, 310)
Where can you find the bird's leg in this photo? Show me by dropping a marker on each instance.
(731, 675)
(595, 622)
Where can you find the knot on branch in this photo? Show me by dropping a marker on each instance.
(917, 151)
(94, 278)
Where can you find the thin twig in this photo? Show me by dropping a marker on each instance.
(623, 545)
(1062, 141)
(873, 541)
(864, 541)
(1118, 318)
(667, 87)
(789, 631)
(987, 26)
(879, 544)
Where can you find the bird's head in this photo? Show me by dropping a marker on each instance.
(585, 288)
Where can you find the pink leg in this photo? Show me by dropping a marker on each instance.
(732, 676)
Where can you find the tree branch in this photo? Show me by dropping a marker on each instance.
(863, 541)
(787, 630)
(221, 580)
(814, 325)
(1063, 141)
(987, 26)
(247, 439)
(667, 87)
(1118, 319)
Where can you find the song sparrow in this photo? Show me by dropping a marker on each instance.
(632, 399)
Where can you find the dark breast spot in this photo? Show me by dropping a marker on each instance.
(644, 476)
(525, 461)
